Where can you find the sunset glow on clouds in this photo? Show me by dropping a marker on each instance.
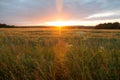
(105, 14)
(80, 12)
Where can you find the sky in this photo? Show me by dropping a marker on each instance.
(79, 12)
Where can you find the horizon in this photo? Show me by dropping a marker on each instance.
(59, 12)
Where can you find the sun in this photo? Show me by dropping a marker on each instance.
(60, 23)
(57, 23)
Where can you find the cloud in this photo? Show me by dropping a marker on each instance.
(104, 15)
(80, 9)
(38, 11)
(20, 11)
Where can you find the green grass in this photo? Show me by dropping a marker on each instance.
(41, 54)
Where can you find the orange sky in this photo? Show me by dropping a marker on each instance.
(59, 12)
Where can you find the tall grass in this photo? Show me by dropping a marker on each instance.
(46, 55)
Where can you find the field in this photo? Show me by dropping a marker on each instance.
(53, 54)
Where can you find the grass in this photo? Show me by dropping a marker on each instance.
(43, 54)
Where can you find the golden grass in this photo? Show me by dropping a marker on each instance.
(44, 54)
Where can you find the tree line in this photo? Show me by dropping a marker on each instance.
(6, 26)
(115, 25)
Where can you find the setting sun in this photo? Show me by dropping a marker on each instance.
(60, 23)
(57, 23)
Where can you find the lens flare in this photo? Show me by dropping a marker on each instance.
(59, 5)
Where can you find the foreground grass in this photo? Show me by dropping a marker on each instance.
(46, 55)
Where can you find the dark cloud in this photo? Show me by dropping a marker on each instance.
(20, 12)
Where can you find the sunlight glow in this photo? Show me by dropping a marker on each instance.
(60, 23)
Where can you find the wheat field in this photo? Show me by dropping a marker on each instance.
(51, 54)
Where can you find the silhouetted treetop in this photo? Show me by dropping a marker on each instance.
(115, 25)
(6, 26)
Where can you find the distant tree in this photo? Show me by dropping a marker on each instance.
(115, 25)
(6, 26)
